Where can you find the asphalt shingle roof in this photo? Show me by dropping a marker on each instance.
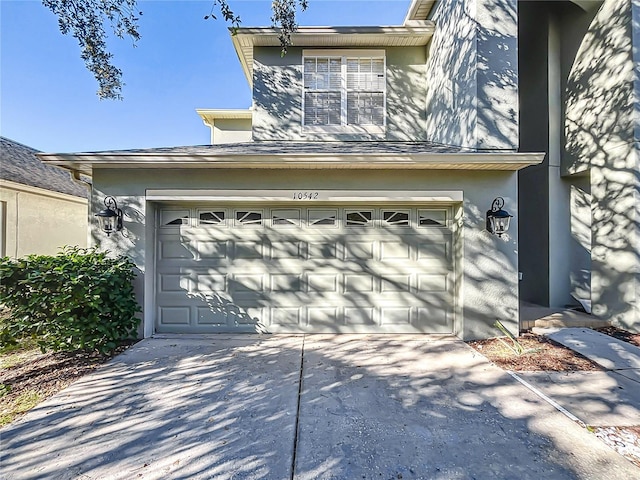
(296, 147)
(18, 163)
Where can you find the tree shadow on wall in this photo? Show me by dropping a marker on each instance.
(600, 136)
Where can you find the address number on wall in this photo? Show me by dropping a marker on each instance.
(306, 195)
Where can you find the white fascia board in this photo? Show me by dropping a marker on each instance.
(85, 162)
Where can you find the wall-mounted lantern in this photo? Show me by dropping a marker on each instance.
(498, 220)
(111, 217)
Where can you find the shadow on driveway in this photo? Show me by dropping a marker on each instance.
(371, 407)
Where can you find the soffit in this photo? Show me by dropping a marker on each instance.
(300, 155)
(209, 116)
(412, 34)
(419, 10)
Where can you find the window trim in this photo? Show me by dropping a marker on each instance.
(343, 55)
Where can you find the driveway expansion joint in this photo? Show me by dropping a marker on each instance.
(297, 424)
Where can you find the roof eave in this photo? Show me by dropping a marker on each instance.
(85, 163)
(419, 10)
(246, 38)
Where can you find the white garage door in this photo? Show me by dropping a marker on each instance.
(321, 269)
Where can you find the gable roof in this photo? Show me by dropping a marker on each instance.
(20, 164)
(412, 33)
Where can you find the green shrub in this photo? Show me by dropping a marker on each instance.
(79, 299)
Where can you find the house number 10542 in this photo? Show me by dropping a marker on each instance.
(305, 195)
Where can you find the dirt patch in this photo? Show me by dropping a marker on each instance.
(540, 354)
(28, 376)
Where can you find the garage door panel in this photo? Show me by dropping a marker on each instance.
(174, 283)
(395, 251)
(363, 316)
(248, 250)
(323, 317)
(359, 284)
(435, 254)
(241, 284)
(175, 315)
(213, 250)
(322, 250)
(395, 316)
(271, 269)
(432, 283)
(392, 284)
(434, 319)
(286, 283)
(243, 315)
(323, 282)
(291, 316)
(211, 316)
(210, 282)
(287, 250)
(176, 249)
(359, 250)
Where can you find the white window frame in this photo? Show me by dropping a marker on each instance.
(344, 127)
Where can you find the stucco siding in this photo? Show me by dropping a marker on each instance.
(227, 130)
(487, 264)
(472, 74)
(37, 221)
(599, 98)
(277, 97)
(601, 125)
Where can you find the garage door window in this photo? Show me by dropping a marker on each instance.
(285, 218)
(251, 218)
(211, 218)
(323, 218)
(174, 218)
(432, 218)
(360, 218)
(396, 218)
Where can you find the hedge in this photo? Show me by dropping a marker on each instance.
(79, 299)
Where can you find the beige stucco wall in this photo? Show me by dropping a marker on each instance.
(231, 130)
(40, 221)
(487, 265)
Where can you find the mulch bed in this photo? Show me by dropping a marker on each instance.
(540, 354)
(623, 335)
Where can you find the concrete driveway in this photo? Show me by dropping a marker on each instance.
(302, 407)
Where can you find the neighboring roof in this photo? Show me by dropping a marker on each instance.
(19, 164)
(410, 34)
(302, 155)
(419, 10)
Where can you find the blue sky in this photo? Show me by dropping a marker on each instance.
(182, 62)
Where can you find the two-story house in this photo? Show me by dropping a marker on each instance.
(353, 196)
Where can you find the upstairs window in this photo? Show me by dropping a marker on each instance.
(344, 89)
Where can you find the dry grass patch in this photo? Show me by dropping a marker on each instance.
(28, 376)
